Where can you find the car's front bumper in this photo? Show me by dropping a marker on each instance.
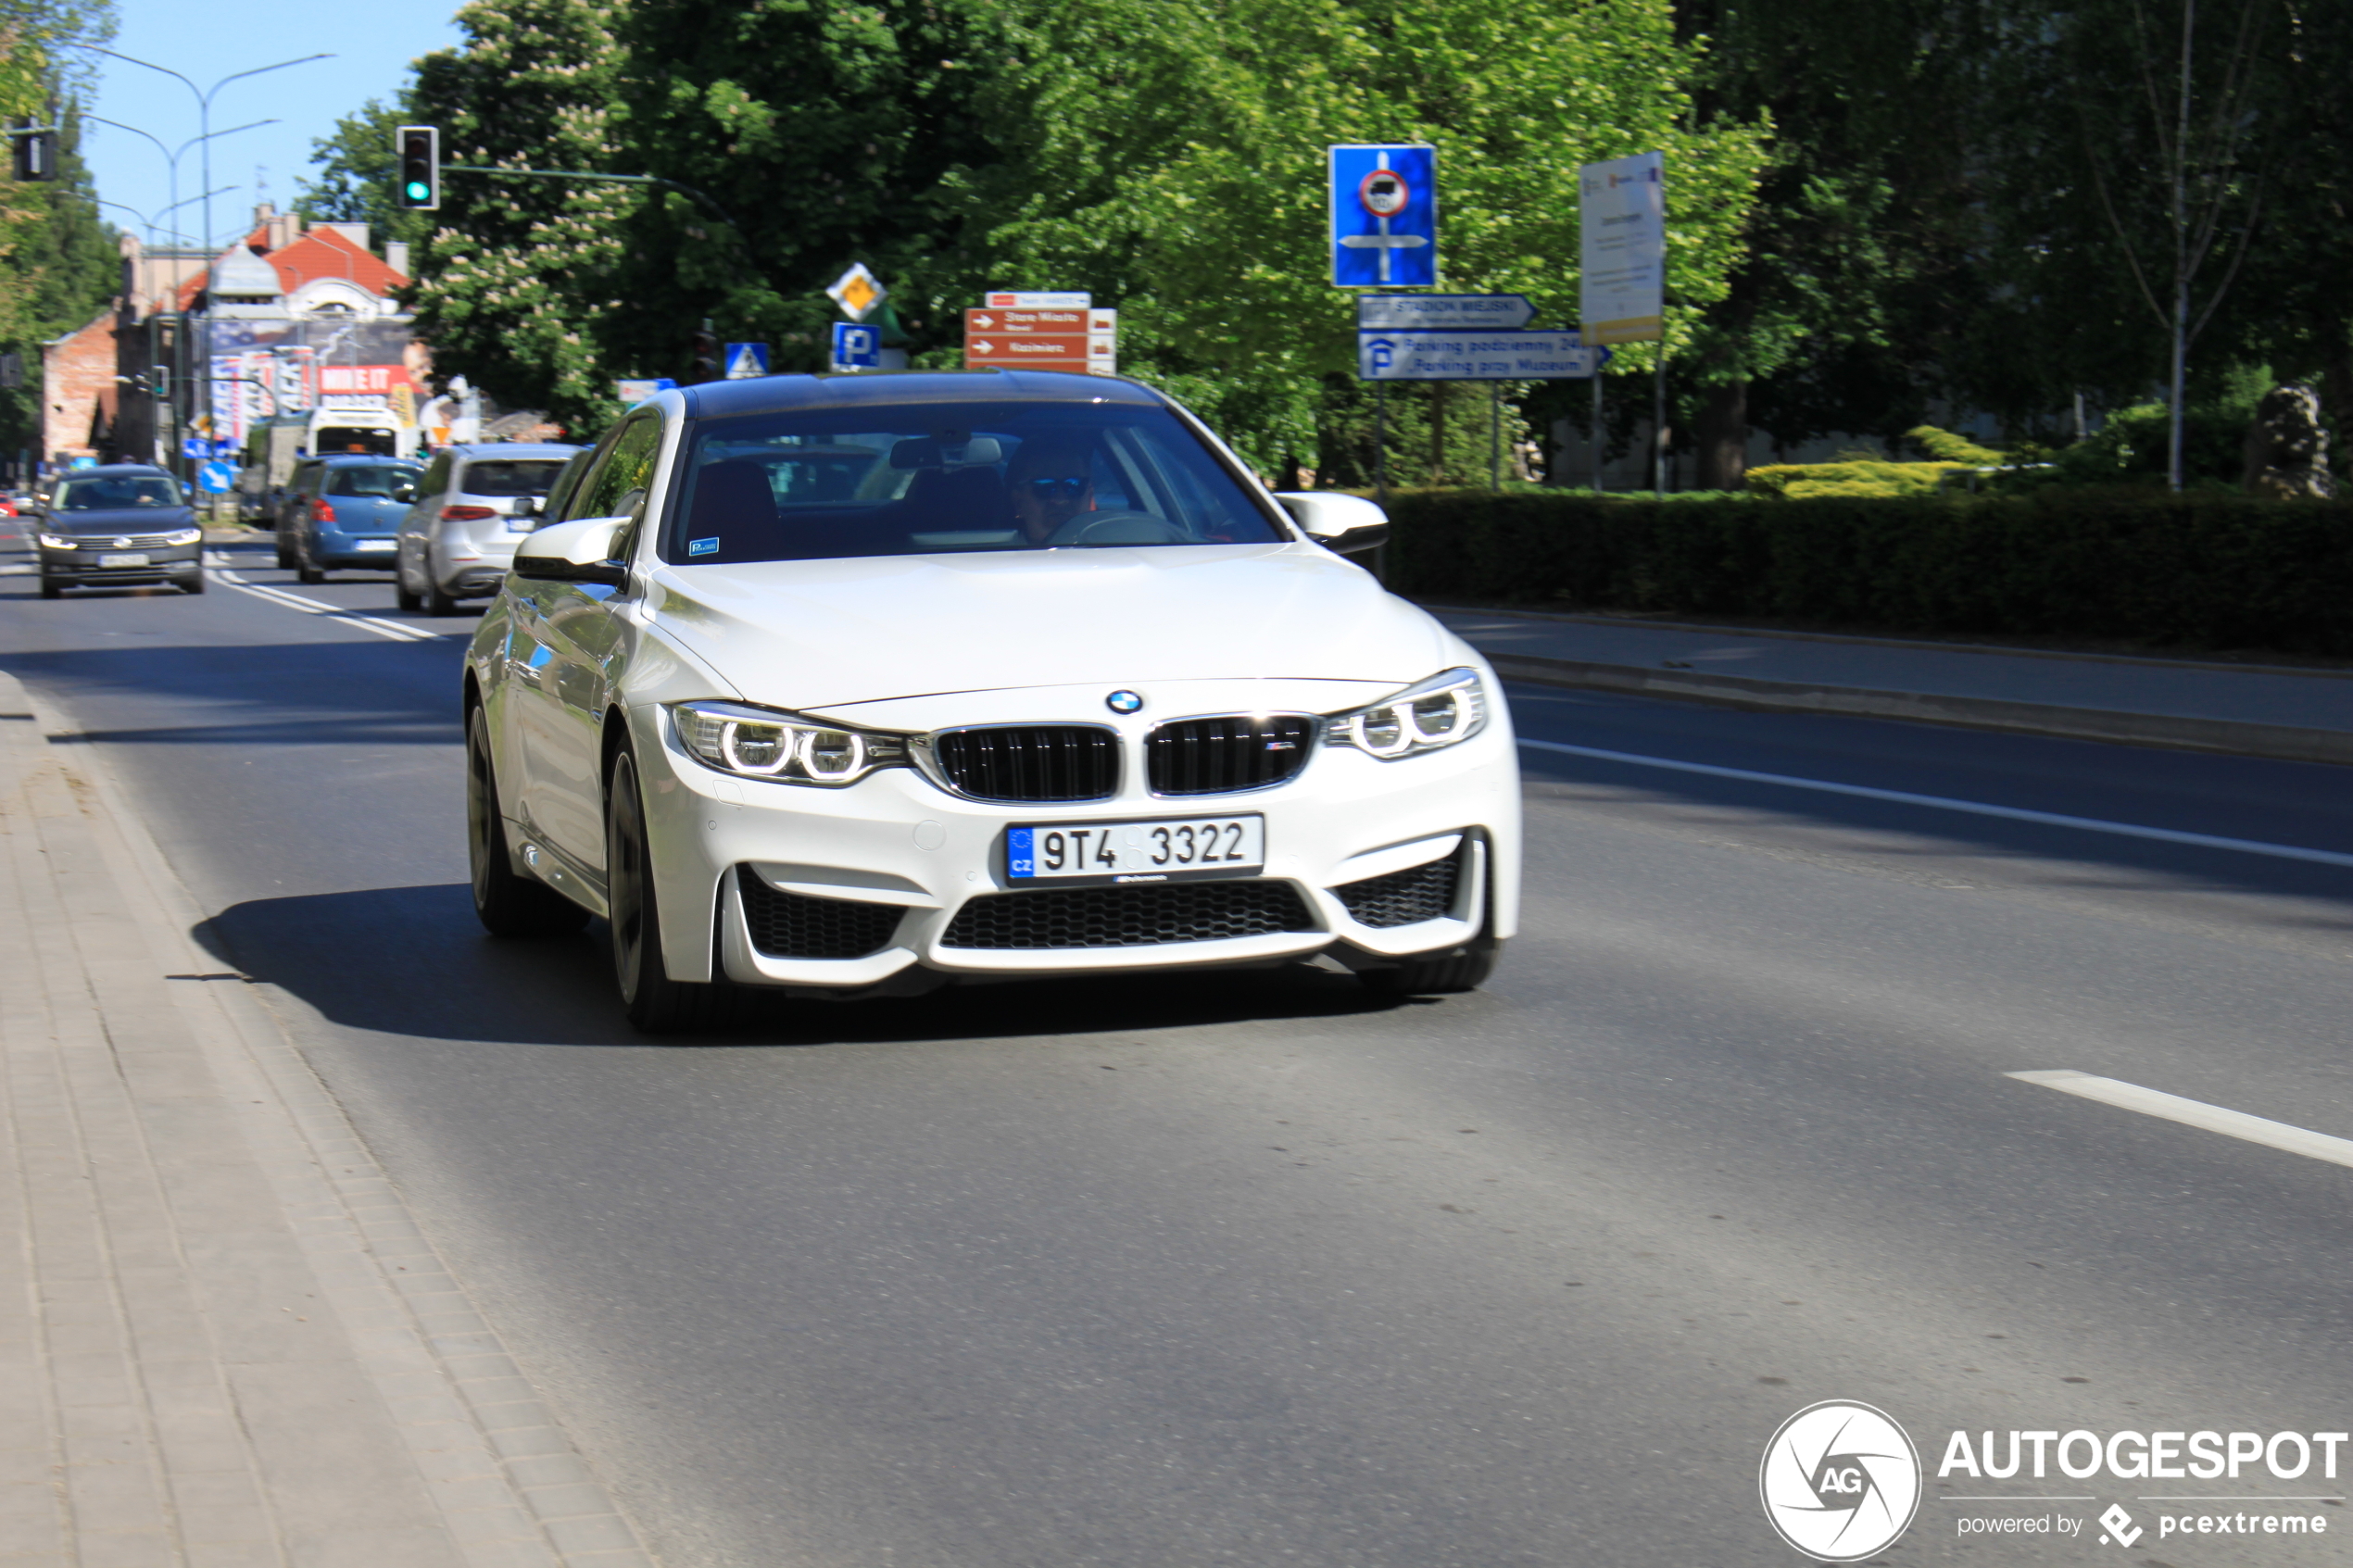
(895, 841)
(80, 567)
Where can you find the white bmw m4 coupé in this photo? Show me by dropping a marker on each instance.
(859, 685)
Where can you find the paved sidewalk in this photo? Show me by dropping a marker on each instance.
(223, 1343)
(2264, 710)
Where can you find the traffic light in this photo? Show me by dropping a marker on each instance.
(34, 150)
(420, 148)
(706, 366)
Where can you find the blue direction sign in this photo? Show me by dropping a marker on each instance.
(857, 347)
(1384, 215)
(1475, 355)
(195, 447)
(1395, 312)
(215, 478)
(745, 360)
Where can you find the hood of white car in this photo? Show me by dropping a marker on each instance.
(814, 635)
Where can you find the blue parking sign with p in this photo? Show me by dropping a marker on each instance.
(857, 347)
(1384, 215)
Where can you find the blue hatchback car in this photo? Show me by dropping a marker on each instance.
(341, 513)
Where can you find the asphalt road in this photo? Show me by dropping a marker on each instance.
(1258, 1270)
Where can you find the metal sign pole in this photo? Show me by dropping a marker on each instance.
(1658, 426)
(1600, 446)
(1495, 439)
(1380, 442)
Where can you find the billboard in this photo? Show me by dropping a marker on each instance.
(261, 369)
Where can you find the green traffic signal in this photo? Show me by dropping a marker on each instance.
(419, 190)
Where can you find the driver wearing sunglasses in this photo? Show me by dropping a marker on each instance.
(1053, 483)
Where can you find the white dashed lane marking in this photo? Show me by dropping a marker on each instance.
(398, 632)
(1944, 803)
(2193, 1113)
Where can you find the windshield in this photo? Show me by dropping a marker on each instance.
(118, 492)
(386, 482)
(933, 477)
(510, 476)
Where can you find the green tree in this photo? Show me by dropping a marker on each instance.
(58, 262)
(1169, 153)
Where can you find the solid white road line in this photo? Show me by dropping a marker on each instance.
(1974, 808)
(397, 631)
(2195, 1113)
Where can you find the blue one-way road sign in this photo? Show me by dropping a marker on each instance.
(1384, 217)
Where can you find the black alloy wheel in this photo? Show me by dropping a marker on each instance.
(656, 1004)
(506, 904)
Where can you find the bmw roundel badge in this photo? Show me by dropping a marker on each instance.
(1125, 702)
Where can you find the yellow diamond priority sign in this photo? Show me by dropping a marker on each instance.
(857, 292)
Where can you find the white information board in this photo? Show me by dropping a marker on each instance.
(1622, 224)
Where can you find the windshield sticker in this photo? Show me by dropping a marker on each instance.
(703, 546)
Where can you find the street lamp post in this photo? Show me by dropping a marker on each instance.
(204, 126)
(171, 160)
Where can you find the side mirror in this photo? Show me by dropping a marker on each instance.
(576, 552)
(525, 506)
(1346, 525)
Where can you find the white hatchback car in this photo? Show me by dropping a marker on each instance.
(864, 685)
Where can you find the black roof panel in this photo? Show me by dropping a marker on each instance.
(769, 394)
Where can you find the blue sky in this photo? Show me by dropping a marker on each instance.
(207, 39)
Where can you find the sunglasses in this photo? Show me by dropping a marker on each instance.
(1056, 489)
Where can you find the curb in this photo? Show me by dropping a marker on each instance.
(2279, 742)
(511, 1490)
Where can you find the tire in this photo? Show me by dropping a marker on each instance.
(1465, 968)
(403, 594)
(304, 571)
(438, 602)
(52, 589)
(285, 557)
(507, 905)
(655, 1003)
(189, 585)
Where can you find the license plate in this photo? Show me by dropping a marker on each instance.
(374, 544)
(1182, 850)
(122, 559)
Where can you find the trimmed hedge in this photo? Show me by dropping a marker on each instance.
(2196, 571)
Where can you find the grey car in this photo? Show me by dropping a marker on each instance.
(473, 505)
(121, 525)
(344, 512)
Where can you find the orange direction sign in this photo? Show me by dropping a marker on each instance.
(1083, 340)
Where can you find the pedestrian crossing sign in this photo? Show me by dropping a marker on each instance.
(745, 360)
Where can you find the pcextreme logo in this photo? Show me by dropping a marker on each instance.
(1840, 1481)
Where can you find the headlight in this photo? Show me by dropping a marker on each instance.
(1443, 710)
(185, 536)
(760, 743)
(57, 542)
